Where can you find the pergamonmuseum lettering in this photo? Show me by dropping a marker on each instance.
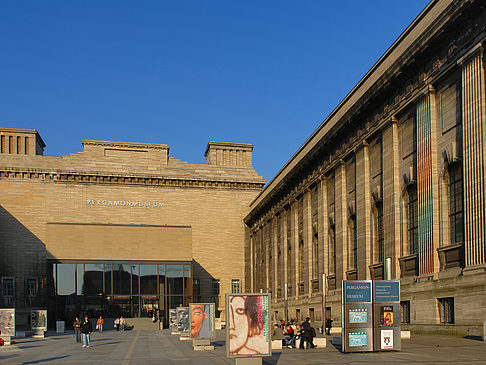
(125, 203)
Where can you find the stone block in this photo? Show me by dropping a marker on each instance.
(405, 335)
(276, 344)
(320, 341)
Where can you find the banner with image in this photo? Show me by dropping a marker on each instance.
(202, 317)
(38, 319)
(183, 319)
(248, 325)
(7, 322)
(173, 319)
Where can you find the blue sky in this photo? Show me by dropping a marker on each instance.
(187, 72)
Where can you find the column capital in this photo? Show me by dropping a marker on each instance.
(478, 49)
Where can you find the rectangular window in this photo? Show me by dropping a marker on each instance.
(8, 289)
(196, 287)
(456, 199)
(405, 311)
(354, 237)
(235, 285)
(215, 287)
(381, 235)
(31, 287)
(446, 310)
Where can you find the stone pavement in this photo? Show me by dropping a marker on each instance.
(146, 347)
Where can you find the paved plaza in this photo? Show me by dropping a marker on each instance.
(145, 347)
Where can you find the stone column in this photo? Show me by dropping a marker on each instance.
(427, 183)
(275, 268)
(474, 152)
(307, 233)
(341, 207)
(323, 227)
(283, 234)
(267, 246)
(391, 195)
(252, 262)
(295, 246)
(363, 211)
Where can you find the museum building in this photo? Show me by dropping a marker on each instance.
(396, 171)
(120, 228)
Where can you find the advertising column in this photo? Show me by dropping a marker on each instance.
(386, 308)
(357, 332)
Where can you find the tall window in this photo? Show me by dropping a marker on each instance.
(196, 287)
(380, 235)
(215, 288)
(412, 219)
(31, 287)
(235, 285)
(456, 207)
(354, 241)
(332, 249)
(405, 311)
(315, 256)
(8, 287)
(289, 261)
(301, 260)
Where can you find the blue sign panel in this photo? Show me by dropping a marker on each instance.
(357, 292)
(386, 291)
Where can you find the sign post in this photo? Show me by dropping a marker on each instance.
(357, 321)
(386, 309)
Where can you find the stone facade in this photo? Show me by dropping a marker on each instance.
(123, 202)
(396, 171)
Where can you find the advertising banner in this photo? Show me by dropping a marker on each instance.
(7, 322)
(173, 319)
(202, 317)
(38, 319)
(183, 319)
(248, 325)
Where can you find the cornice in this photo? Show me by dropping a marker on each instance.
(137, 145)
(112, 179)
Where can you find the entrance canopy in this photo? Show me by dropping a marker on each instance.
(93, 241)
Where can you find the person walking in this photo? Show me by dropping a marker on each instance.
(308, 334)
(328, 325)
(122, 323)
(99, 324)
(117, 323)
(77, 329)
(86, 330)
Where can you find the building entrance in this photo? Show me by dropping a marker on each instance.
(118, 289)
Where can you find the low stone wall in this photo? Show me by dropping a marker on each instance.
(445, 329)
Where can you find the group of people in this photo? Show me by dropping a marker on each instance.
(83, 329)
(119, 323)
(304, 332)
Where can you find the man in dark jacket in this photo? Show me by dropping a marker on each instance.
(308, 334)
(86, 330)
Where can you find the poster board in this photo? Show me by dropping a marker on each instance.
(38, 319)
(202, 320)
(248, 332)
(183, 320)
(7, 322)
(173, 319)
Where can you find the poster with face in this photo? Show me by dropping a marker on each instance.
(38, 319)
(202, 320)
(386, 316)
(173, 319)
(248, 325)
(183, 319)
(7, 322)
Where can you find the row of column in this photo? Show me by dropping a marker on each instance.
(474, 152)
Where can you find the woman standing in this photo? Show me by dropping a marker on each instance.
(99, 324)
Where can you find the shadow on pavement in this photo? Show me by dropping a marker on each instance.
(46, 360)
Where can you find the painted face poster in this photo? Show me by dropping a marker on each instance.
(7, 322)
(386, 316)
(248, 325)
(183, 319)
(38, 319)
(173, 319)
(202, 320)
(386, 339)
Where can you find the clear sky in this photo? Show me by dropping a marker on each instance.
(187, 72)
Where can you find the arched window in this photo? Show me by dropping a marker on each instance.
(456, 204)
